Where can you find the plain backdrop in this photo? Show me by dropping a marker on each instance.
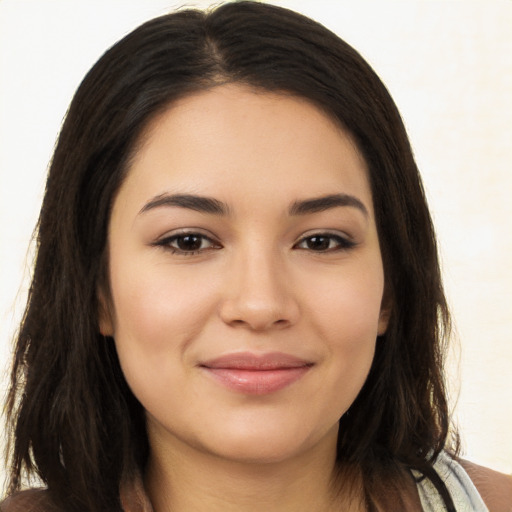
(448, 64)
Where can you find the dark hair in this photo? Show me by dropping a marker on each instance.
(75, 422)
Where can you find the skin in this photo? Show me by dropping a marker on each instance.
(258, 283)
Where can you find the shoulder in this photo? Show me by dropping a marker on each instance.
(494, 487)
(31, 500)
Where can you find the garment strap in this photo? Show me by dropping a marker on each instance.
(460, 486)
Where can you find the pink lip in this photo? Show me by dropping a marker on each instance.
(257, 374)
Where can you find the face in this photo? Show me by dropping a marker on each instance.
(246, 277)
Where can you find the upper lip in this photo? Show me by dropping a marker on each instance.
(252, 361)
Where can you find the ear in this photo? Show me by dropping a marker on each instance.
(385, 314)
(105, 315)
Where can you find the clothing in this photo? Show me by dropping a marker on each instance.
(462, 490)
(460, 486)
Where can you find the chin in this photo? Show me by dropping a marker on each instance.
(259, 451)
(269, 445)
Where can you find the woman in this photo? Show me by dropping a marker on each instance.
(236, 303)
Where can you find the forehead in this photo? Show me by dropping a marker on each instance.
(233, 140)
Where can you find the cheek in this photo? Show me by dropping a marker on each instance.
(156, 301)
(347, 306)
(346, 316)
(157, 314)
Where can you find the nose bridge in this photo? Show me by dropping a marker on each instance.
(258, 295)
(259, 274)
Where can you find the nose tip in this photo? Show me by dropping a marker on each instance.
(259, 297)
(255, 315)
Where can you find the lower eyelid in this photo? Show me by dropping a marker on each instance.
(168, 240)
(344, 242)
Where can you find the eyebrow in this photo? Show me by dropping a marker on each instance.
(192, 202)
(213, 206)
(324, 203)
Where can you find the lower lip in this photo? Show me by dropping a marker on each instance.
(257, 382)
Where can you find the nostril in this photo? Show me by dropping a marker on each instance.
(259, 324)
(258, 313)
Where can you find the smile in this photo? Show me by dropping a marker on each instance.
(256, 374)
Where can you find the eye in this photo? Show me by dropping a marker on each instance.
(187, 243)
(325, 242)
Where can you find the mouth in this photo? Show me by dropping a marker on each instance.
(256, 374)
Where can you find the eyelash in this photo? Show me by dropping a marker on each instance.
(167, 241)
(343, 244)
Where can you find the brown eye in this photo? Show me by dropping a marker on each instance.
(187, 243)
(325, 242)
(318, 243)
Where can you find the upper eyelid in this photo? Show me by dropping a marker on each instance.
(214, 239)
(326, 232)
(166, 242)
(344, 241)
(188, 231)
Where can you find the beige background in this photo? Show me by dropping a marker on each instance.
(448, 65)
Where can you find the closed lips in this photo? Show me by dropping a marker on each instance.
(254, 362)
(257, 374)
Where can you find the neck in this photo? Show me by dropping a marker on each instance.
(186, 480)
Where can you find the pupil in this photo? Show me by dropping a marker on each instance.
(318, 243)
(189, 243)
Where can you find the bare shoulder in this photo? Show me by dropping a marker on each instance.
(494, 487)
(32, 500)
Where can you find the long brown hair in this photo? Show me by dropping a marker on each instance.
(73, 420)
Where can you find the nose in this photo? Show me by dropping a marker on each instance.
(259, 295)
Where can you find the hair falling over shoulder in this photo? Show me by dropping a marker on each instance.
(73, 421)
